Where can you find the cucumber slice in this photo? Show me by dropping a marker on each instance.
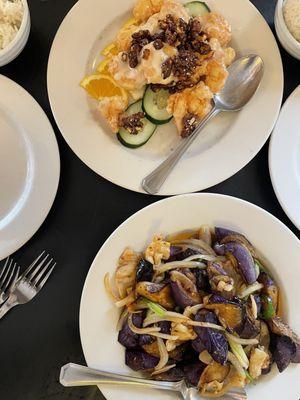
(197, 8)
(155, 106)
(134, 141)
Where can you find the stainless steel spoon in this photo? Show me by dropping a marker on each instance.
(244, 78)
(77, 375)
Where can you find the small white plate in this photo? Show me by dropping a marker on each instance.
(278, 245)
(29, 166)
(284, 158)
(227, 144)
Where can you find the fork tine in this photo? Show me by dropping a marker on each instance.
(42, 283)
(6, 273)
(37, 278)
(16, 276)
(4, 268)
(26, 272)
(9, 279)
(37, 269)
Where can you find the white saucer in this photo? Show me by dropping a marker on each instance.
(29, 166)
(284, 158)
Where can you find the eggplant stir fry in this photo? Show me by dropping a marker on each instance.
(201, 306)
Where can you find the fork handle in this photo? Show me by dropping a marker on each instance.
(9, 304)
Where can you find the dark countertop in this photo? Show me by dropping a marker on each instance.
(38, 338)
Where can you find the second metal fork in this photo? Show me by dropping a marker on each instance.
(29, 283)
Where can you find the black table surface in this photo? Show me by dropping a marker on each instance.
(41, 336)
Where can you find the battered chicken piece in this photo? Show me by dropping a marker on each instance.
(216, 26)
(145, 8)
(216, 75)
(111, 108)
(196, 100)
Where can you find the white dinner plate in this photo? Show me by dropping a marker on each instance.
(278, 245)
(226, 145)
(29, 166)
(284, 157)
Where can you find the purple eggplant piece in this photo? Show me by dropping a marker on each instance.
(283, 350)
(174, 252)
(178, 353)
(244, 259)
(182, 297)
(249, 329)
(126, 337)
(214, 341)
(217, 298)
(144, 271)
(192, 372)
(220, 233)
(173, 375)
(182, 254)
(198, 345)
(139, 360)
(219, 249)
(215, 269)
(296, 355)
(165, 327)
(145, 339)
(270, 288)
(202, 281)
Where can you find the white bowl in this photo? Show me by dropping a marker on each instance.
(291, 45)
(14, 48)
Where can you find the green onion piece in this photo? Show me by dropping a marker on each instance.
(268, 310)
(259, 265)
(156, 308)
(249, 376)
(239, 352)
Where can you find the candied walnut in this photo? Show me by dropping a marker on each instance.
(133, 59)
(111, 108)
(158, 44)
(146, 54)
(124, 57)
(184, 64)
(166, 68)
(132, 123)
(157, 250)
(189, 123)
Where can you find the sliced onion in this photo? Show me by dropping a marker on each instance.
(122, 319)
(205, 325)
(108, 288)
(205, 357)
(253, 306)
(204, 257)
(237, 365)
(127, 300)
(154, 319)
(165, 369)
(244, 342)
(200, 244)
(187, 283)
(255, 287)
(179, 264)
(141, 331)
(164, 336)
(192, 310)
(164, 355)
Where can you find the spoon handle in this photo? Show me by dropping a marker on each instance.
(78, 375)
(154, 181)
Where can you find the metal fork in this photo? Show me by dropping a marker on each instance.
(29, 283)
(78, 375)
(8, 277)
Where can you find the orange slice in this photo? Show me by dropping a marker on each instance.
(103, 66)
(110, 50)
(101, 85)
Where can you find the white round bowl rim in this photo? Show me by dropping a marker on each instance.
(20, 32)
(292, 41)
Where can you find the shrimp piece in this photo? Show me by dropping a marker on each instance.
(111, 108)
(145, 8)
(229, 56)
(196, 100)
(216, 75)
(216, 26)
(123, 39)
(174, 8)
(131, 79)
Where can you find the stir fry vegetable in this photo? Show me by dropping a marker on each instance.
(201, 306)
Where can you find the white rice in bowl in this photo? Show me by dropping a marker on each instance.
(11, 15)
(291, 13)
